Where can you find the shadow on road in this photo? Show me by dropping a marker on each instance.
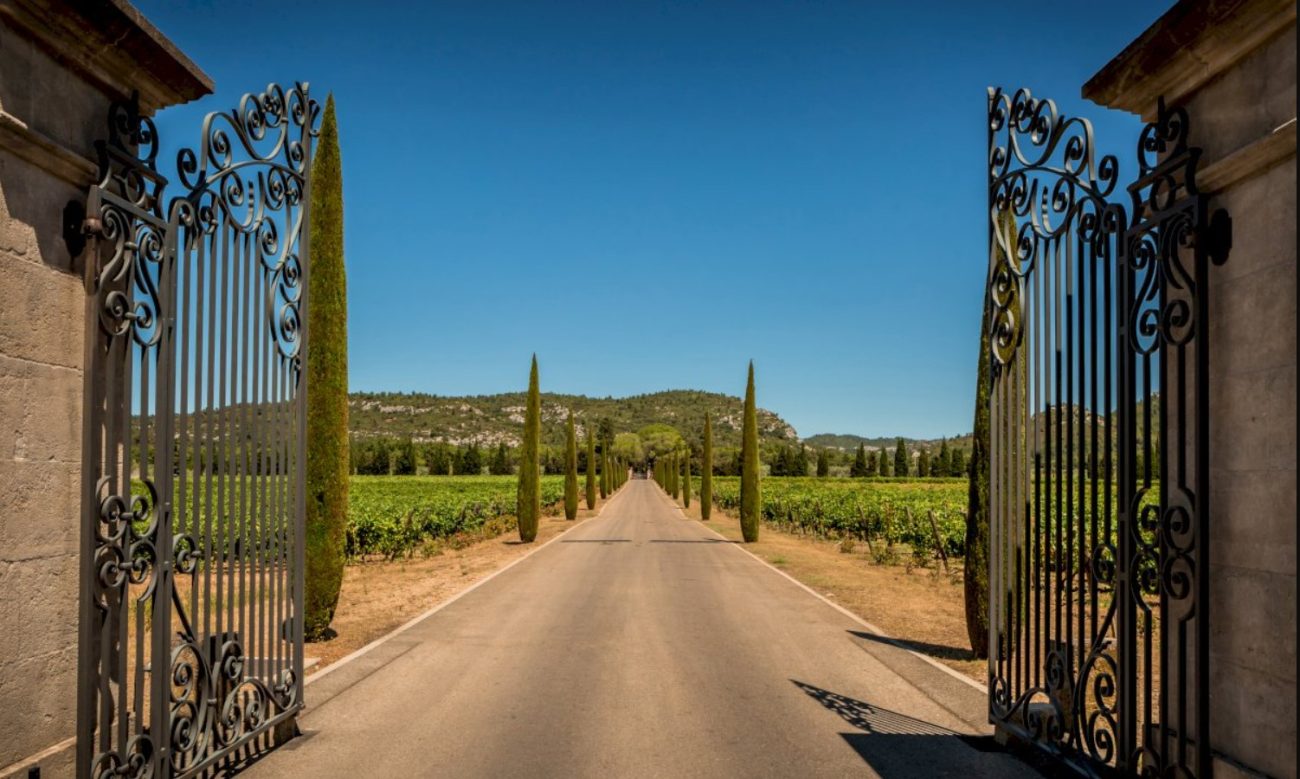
(690, 541)
(897, 746)
(938, 651)
(595, 541)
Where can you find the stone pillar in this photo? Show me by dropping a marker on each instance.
(61, 64)
(1233, 66)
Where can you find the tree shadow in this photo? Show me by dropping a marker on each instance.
(897, 746)
(595, 541)
(938, 651)
(691, 541)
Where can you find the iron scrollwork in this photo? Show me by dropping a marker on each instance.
(241, 211)
(1087, 296)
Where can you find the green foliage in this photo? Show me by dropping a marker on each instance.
(823, 464)
(976, 578)
(686, 480)
(902, 458)
(438, 458)
(706, 470)
(371, 456)
(393, 516)
(943, 463)
(750, 492)
(499, 465)
(923, 463)
(591, 469)
(470, 461)
(958, 463)
(883, 459)
(529, 508)
(404, 458)
(864, 510)
(629, 449)
(859, 467)
(604, 471)
(327, 385)
(570, 470)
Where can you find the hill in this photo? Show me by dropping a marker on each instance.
(488, 420)
(848, 442)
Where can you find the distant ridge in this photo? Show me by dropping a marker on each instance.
(849, 442)
(488, 420)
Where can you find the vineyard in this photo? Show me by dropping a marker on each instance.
(893, 511)
(395, 516)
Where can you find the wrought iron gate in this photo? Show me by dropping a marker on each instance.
(192, 501)
(1099, 489)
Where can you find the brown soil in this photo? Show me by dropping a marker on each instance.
(924, 608)
(378, 597)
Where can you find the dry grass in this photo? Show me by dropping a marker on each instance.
(923, 607)
(378, 597)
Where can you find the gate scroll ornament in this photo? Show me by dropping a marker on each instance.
(1099, 510)
(190, 645)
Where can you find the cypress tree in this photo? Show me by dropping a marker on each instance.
(604, 472)
(884, 461)
(686, 480)
(673, 482)
(976, 568)
(823, 464)
(859, 462)
(943, 463)
(706, 470)
(923, 463)
(570, 470)
(958, 462)
(750, 495)
(591, 471)
(327, 382)
(873, 464)
(902, 459)
(528, 507)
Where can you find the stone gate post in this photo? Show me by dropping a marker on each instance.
(1233, 66)
(61, 64)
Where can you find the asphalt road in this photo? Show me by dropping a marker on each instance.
(638, 644)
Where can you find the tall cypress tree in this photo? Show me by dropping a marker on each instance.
(327, 382)
(750, 495)
(673, 481)
(604, 472)
(570, 470)
(883, 459)
(943, 463)
(823, 464)
(591, 470)
(859, 462)
(528, 507)
(976, 569)
(686, 479)
(706, 470)
(902, 459)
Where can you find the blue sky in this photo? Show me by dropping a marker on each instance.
(648, 195)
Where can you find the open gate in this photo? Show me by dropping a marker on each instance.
(191, 624)
(1099, 478)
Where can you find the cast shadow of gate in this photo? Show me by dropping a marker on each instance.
(897, 746)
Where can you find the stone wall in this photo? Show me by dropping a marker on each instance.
(60, 66)
(1232, 65)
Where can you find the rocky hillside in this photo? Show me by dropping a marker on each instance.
(491, 419)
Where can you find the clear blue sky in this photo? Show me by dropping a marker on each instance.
(650, 194)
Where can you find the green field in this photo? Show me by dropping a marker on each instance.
(891, 510)
(395, 516)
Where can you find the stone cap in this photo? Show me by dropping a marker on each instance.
(113, 44)
(1186, 47)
